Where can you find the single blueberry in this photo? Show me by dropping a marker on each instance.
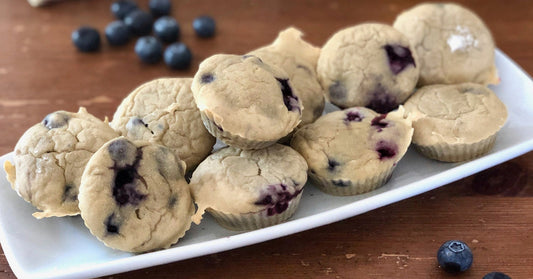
(454, 256)
(55, 120)
(121, 8)
(139, 22)
(204, 26)
(386, 149)
(122, 151)
(172, 201)
(379, 122)
(332, 164)
(381, 100)
(70, 193)
(167, 29)
(178, 56)
(160, 7)
(86, 39)
(496, 275)
(353, 116)
(117, 33)
(112, 225)
(337, 91)
(341, 183)
(207, 78)
(149, 49)
(400, 57)
(289, 99)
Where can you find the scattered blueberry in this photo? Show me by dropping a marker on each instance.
(111, 224)
(207, 78)
(117, 33)
(178, 56)
(341, 183)
(400, 57)
(454, 256)
(337, 91)
(353, 116)
(204, 26)
(55, 120)
(70, 193)
(149, 49)
(167, 29)
(160, 7)
(124, 185)
(277, 198)
(332, 164)
(386, 149)
(496, 275)
(86, 39)
(289, 99)
(379, 122)
(139, 22)
(121, 8)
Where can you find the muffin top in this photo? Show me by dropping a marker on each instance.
(453, 44)
(246, 97)
(455, 114)
(232, 180)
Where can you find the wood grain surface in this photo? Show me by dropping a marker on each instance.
(40, 72)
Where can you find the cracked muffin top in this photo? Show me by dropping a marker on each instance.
(453, 44)
(244, 101)
(133, 196)
(368, 65)
(163, 111)
(50, 157)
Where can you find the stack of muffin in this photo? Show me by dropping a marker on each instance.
(422, 81)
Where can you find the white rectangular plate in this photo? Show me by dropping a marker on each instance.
(64, 248)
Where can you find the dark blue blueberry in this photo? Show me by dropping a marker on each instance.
(121, 8)
(353, 116)
(117, 33)
(122, 151)
(139, 22)
(149, 49)
(204, 26)
(178, 56)
(337, 91)
(125, 186)
(400, 57)
(332, 164)
(289, 99)
(386, 149)
(277, 198)
(86, 39)
(341, 183)
(496, 275)
(167, 29)
(172, 201)
(381, 101)
(379, 122)
(207, 78)
(454, 256)
(55, 120)
(111, 224)
(160, 7)
(70, 193)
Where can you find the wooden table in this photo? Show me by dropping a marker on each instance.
(40, 72)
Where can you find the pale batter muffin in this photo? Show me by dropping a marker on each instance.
(453, 44)
(245, 102)
(369, 65)
(133, 196)
(50, 157)
(455, 122)
(298, 58)
(163, 111)
(355, 150)
(249, 189)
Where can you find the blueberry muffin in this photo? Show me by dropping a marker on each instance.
(133, 196)
(369, 65)
(452, 43)
(163, 111)
(50, 157)
(245, 102)
(298, 58)
(455, 123)
(249, 189)
(355, 150)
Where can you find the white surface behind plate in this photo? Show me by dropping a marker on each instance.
(64, 248)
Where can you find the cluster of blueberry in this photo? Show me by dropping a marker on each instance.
(132, 21)
(455, 256)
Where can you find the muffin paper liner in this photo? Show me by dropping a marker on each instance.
(254, 220)
(355, 187)
(457, 152)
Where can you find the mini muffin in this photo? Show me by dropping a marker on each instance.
(353, 151)
(452, 43)
(455, 123)
(163, 111)
(133, 196)
(298, 58)
(50, 157)
(369, 65)
(249, 189)
(245, 102)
